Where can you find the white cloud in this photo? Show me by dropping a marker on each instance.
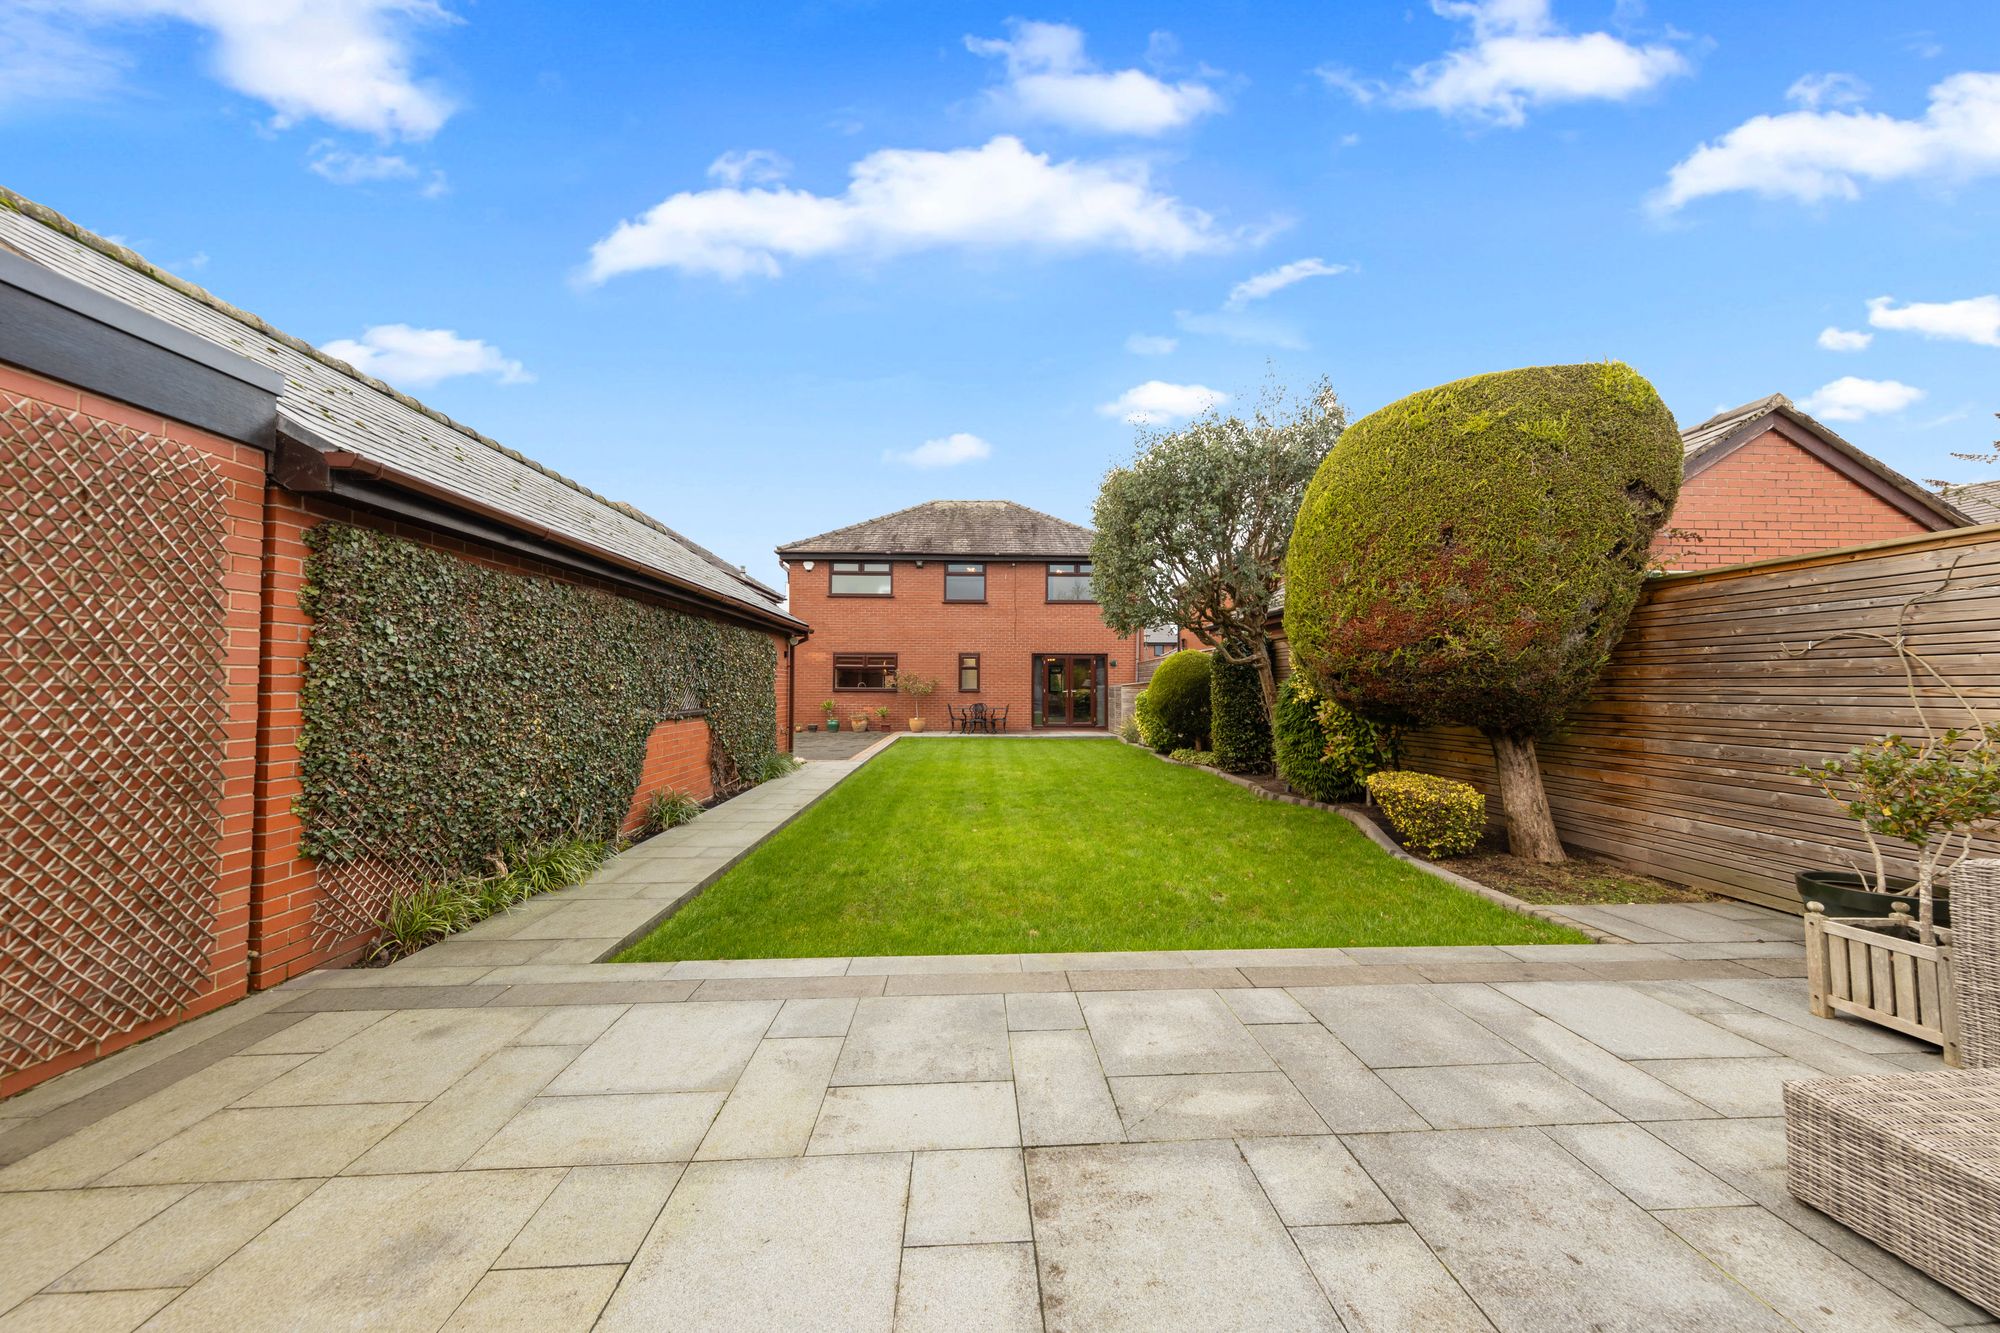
(946, 451)
(345, 167)
(1813, 91)
(1844, 340)
(403, 355)
(1973, 320)
(995, 196)
(1851, 398)
(759, 166)
(345, 62)
(1050, 79)
(1157, 402)
(1261, 285)
(1518, 58)
(43, 62)
(1813, 155)
(1151, 344)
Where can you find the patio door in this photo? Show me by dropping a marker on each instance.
(1070, 688)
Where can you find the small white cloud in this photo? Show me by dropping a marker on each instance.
(758, 166)
(1851, 398)
(45, 61)
(1814, 155)
(1261, 285)
(1251, 327)
(1813, 91)
(1151, 344)
(400, 354)
(1050, 79)
(1973, 320)
(995, 196)
(1518, 58)
(946, 451)
(1157, 402)
(344, 167)
(1844, 340)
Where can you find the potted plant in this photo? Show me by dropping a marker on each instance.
(882, 717)
(916, 689)
(832, 722)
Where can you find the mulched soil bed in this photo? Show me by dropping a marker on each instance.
(1581, 879)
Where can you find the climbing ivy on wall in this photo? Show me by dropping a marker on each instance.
(453, 710)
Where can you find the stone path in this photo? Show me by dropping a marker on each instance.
(499, 1133)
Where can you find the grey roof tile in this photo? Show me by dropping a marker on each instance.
(954, 527)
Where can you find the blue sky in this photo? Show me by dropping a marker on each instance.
(766, 270)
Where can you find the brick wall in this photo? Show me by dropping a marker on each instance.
(927, 634)
(1771, 498)
(676, 760)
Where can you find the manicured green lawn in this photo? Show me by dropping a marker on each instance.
(1052, 846)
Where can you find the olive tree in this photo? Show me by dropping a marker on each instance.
(1193, 530)
(1471, 553)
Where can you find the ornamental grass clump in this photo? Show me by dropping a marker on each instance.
(670, 809)
(424, 915)
(1437, 816)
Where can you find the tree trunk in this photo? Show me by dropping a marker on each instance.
(1267, 682)
(1531, 829)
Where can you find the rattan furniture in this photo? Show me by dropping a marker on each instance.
(1912, 1161)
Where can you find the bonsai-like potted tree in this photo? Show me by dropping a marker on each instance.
(882, 717)
(916, 689)
(832, 723)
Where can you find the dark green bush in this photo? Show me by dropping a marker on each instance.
(1471, 553)
(1173, 709)
(1435, 816)
(1238, 731)
(1323, 751)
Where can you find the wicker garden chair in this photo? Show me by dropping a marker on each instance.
(1912, 1161)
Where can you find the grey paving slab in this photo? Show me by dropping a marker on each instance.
(597, 1215)
(1382, 1278)
(585, 919)
(317, 1032)
(1495, 1096)
(86, 1312)
(1585, 953)
(45, 1234)
(788, 988)
(969, 1289)
(972, 983)
(1055, 1011)
(1625, 928)
(925, 1039)
(1315, 1181)
(1729, 1148)
(935, 963)
(442, 1135)
(1445, 953)
(1169, 1032)
(412, 1245)
(407, 1057)
(1241, 958)
(1799, 1279)
(805, 1243)
(602, 1130)
(702, 969)
(1695, 926)
(1101, 962)
(912, 1117)
(1733, 1087)
(814, 1018)
(1642, 1167)
(268, 1143)
(1383, 974)
(974, 1197)
(1395, 1026)
(1786, 999)
(1630, 1025)
(571, 1025)
(772, 1109)
(1155, 978)
(1153, 1236)
(1466, 1193)
(1061, 1091)
(596, 993)
(536, 1300)
(181, 1243)
(670, 1048)
(1264, 1005)
(1808, 1047)
(1349, 1097)
(1162, 1107)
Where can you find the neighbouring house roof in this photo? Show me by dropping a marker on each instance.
(359, 423)
(1722, 434)
(1977, 500)
(997, 528)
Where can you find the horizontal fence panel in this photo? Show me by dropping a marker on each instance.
(1680, 764)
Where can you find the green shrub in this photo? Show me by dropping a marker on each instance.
(1324, 752)
(1436, 816)
(1238, 731)
(1173, 710)
(670, 809)
(1199, 758)
(1129, 732)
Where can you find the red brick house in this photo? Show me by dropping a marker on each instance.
(989, 598)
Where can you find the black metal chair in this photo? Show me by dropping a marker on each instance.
(957, 716)
(976, 718)
(996, 719)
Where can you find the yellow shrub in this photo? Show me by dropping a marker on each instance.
(1435, 816)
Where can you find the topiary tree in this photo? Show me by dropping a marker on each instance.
(1173, 710)
(1238, 731)
(1471, 553)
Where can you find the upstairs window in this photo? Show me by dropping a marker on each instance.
(1070, 582)
(859, 578)
(965, 583)
(864, 671)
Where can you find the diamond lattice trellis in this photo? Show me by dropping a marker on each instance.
(113, 717)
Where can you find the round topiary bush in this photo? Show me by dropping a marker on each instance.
(1323, 751)
(1470, 554)
(1237, 729)
(1173, 710)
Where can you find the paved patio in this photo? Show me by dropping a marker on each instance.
(500, 1133)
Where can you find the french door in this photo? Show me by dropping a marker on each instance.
(1070, 689)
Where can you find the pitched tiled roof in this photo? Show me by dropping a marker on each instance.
(1977, 500)
(354, 412)
(953, 527)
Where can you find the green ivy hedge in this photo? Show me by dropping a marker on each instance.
(1237, 728)
(453, 710)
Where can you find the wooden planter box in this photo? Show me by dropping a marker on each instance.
(1874, 969)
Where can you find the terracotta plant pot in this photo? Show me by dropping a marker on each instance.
(916, 724)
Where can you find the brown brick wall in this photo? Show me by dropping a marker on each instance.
(676, 760)
(927, 634)
(1770, 498)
